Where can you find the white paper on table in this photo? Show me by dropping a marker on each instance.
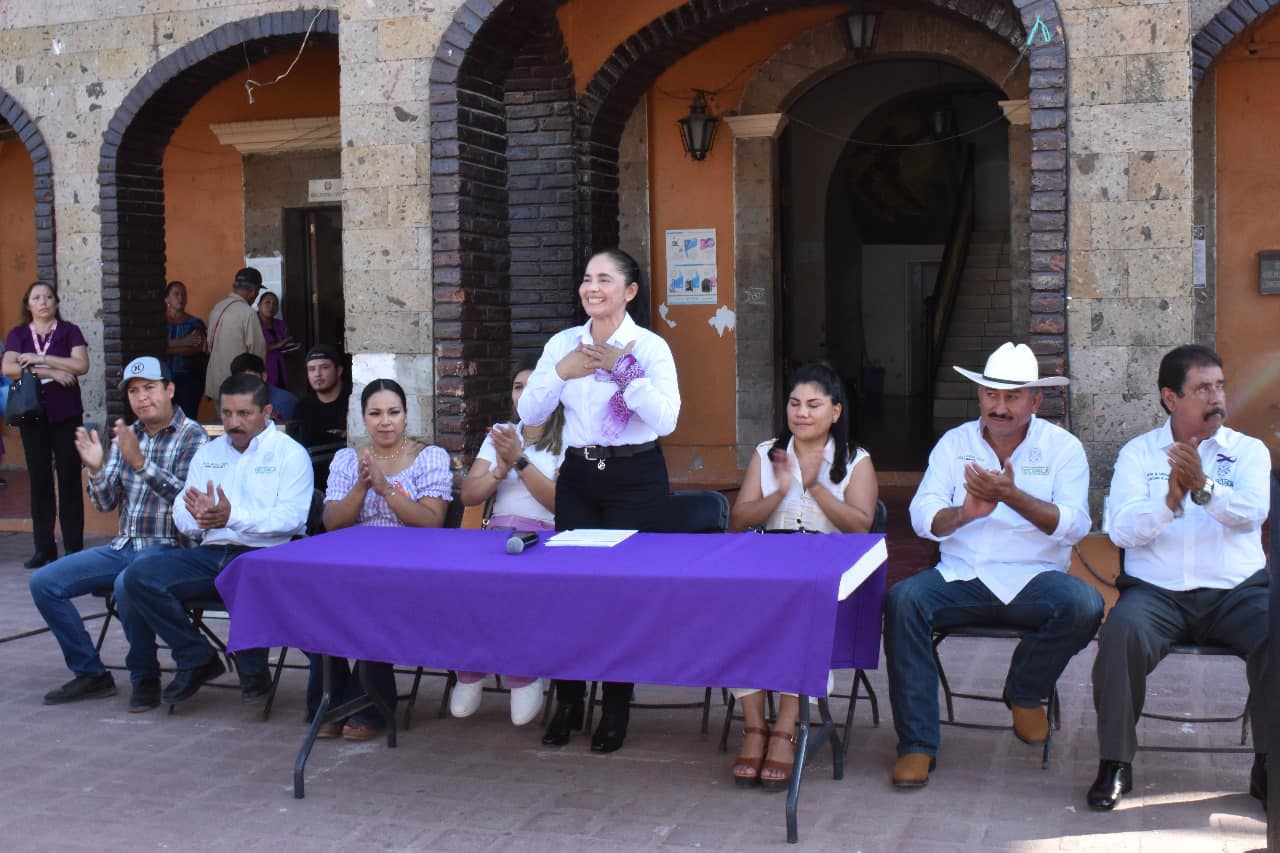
(590, 538)
(862, 569)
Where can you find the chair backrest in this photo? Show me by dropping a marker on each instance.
(881, 522)
(453, 514)
(702, 511)
(315, 516)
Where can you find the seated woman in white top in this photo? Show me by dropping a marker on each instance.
(803, 481)
(516, 467)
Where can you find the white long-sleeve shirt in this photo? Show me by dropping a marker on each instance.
(654, 399)
(1004, 550)
(1217, 545)
(269, 487)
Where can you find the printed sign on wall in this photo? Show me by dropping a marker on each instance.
(691, 267)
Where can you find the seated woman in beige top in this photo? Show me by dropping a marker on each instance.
(802, 481)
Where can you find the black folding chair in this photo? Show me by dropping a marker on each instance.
(695, 511)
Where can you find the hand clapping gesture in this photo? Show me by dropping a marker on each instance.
(371, 476)
(209, 508)
(1185, 472)
(127, 444)
(984, 489)
(90, 449)
(781, 460)
(507, 443)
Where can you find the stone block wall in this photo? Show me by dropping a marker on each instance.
(273, 182)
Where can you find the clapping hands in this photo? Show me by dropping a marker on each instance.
(210, 508)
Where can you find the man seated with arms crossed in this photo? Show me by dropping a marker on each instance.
(282, 402)
(249, 488)
(142, 474)
(1187, 504)
(1007, 497)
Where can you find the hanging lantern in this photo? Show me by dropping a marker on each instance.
(698, 128)
(863, 25)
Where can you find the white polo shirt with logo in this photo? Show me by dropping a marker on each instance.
(1004, 550)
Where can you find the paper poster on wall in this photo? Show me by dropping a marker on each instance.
(272, 269)
(691, 267)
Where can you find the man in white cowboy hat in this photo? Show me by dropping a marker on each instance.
(1006, 496)
(1188, 500)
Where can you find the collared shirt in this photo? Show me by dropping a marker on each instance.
(145, 497)
(1217, 545)
(234, 328)
(513, 496)
(427, 476)
(654, 399)
(269, 487)
(1004, 550)
(798, 510)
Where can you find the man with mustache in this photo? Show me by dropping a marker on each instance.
(249, 488)
(1006, 496)
(1187, 504)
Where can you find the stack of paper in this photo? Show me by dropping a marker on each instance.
(590, 538)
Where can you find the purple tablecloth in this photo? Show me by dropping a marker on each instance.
(738, 610)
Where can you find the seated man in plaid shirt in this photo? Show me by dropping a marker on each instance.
(142, 474)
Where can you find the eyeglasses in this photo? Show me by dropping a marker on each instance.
(1207, 390)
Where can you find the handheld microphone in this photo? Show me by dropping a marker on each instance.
(520, 542)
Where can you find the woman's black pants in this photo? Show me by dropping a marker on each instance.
(51, 447)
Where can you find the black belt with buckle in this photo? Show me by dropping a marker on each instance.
(600, 452)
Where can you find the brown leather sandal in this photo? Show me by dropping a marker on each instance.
(746, 768)
(786, 766)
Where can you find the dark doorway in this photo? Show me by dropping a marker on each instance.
(312, 303)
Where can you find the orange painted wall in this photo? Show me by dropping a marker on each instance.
(17, 250)
(204, 180)
(1248, 179)
(688, 194)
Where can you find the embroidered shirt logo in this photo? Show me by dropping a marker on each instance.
(1034, 456)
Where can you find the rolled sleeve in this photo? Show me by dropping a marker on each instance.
(935, 491)
(1135, 518)
(1071, 496)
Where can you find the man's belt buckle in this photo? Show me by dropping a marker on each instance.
(586, 454)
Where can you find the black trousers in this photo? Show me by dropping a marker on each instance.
(629, 493)
(51, 447)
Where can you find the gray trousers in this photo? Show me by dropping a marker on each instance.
(1145, 622)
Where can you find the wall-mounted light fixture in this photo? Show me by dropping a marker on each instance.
(698, 128)
(863, 25)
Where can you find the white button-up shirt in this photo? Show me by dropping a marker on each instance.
(1004, 550)
(269, 487)
(1217, 545)
(798, 510)
(654, 399)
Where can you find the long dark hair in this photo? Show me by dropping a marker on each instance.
(638, 308)
(26, 309)
(553, 429)
(821, 374)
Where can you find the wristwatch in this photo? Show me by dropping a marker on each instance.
(522, 463)
(1204, 494)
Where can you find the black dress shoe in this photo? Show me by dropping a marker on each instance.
(82, 687)
(145, 696)
(564, 722)
(38, 559)
(187, 681)
(1115, 778)
(1258, 779)
(611, 732)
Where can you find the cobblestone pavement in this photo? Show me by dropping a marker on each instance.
(216, 777)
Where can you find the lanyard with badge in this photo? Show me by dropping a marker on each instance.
(42, 351)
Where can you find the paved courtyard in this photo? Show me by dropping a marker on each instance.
(215, 777)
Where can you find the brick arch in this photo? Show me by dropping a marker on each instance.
(502, 206)
(1221, 30)
(27, 130)
(633, 67)
(131, 173)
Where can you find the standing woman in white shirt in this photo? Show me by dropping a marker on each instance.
(516, 468)
(617, 381)
(810, 479)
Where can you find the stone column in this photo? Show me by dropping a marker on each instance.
(756, 262)
(1018, 114)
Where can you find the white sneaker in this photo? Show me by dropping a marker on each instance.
(466, 698)
(526, 702)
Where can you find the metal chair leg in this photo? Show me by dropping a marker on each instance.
(412, 697)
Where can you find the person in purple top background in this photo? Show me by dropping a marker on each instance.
(56, 352)
(278, 339)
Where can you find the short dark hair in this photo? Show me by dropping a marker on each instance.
(248, 362)
(246, 383)
(1179, 360)
(168, 288)
(26, 294)
(382, 385)
(248, 277)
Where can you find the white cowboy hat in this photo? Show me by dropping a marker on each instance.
(1012, 366)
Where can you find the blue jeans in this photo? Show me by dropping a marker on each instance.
(1061, 612)
(149, 596)
(53, 587)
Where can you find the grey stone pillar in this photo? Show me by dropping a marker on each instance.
(1018, 114)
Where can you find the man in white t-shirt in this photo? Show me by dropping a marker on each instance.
(1006, 496)
(1187, 504)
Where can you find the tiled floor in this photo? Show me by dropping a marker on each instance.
(214, 776)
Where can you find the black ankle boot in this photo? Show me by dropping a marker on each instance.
(611, 732)
(566, 720)
(1115, 778)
